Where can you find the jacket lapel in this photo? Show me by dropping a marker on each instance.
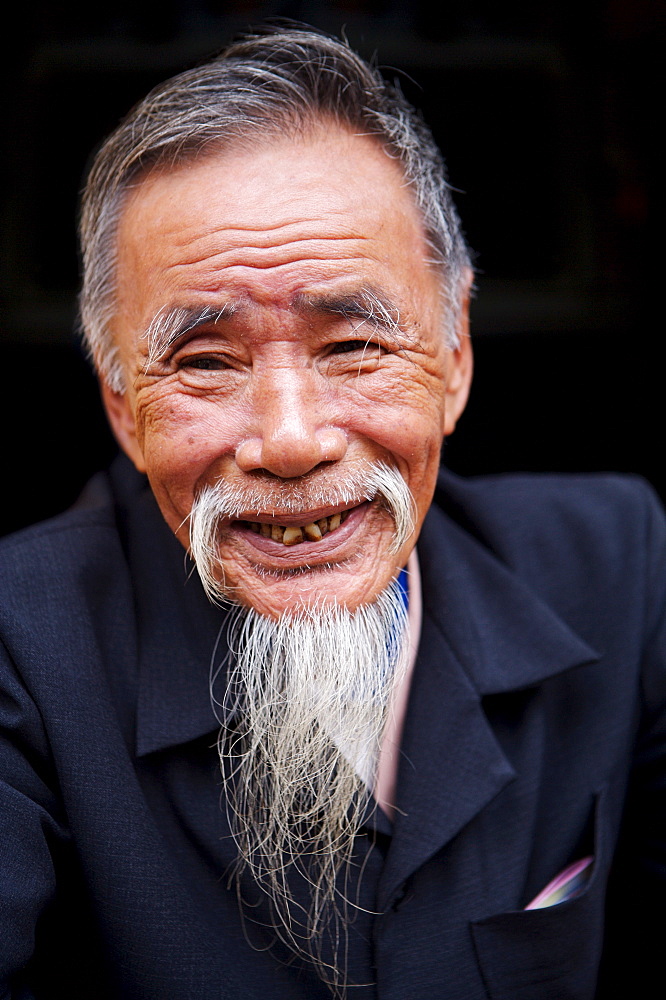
(483, 632)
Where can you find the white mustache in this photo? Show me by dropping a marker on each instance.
(236, 501)
(224, 501)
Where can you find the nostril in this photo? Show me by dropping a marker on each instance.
(248, 454)
(332, 443)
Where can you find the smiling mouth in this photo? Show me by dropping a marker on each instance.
(294, 534)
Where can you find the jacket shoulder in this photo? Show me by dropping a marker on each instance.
(502, 509)
(50, 550)
(567, 535)
(72, 569)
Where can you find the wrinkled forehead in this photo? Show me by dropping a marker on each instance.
(338, 144)
(273, 221)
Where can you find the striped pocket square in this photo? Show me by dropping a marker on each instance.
(567, 885)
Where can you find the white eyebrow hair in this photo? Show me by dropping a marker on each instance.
(365, 303)
(169, 325)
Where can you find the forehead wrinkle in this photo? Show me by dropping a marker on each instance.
(274, 257)
(265, 235)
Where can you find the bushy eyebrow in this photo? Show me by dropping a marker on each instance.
(169, 325)
(366, 304)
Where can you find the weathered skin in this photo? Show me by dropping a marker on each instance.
(285, 388)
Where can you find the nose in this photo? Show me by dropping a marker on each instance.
(290, 434)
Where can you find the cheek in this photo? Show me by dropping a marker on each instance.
(408, 424)
(182, 436)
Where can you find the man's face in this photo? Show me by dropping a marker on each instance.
(311, 343)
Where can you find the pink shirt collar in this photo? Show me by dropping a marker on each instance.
(389, 754)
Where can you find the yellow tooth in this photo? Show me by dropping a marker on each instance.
(292, 535)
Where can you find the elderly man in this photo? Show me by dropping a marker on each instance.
(325, 762)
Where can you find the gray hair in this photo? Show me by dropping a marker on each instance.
(269, 83)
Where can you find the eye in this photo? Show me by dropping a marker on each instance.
(349, 346)
(206, 363)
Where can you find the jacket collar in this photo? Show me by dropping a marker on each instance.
(177, 629)
(478, 617)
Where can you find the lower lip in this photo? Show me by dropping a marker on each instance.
(306, 551)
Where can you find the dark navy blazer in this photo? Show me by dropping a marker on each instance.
(535, 735)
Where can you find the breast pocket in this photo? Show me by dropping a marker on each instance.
(551, 953)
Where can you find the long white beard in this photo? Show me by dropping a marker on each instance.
(306, 705)
(305, 709)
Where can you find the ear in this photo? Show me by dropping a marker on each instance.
(120, 413)
(460, 365)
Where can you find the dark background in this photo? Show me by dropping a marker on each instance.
(550, 118)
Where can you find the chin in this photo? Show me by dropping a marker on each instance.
(277, 592)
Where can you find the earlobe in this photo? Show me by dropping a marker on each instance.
(121, 417)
